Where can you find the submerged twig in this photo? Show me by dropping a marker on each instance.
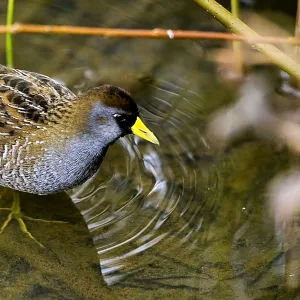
(235, 25)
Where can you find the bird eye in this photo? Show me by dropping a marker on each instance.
(125, 120)
(120, 118)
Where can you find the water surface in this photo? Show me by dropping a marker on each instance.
(188, 219)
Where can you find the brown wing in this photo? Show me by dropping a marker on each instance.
(27, 100)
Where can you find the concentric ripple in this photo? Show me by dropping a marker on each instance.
(147, 201)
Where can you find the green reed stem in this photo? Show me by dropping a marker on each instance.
(296, 83)
(8, 36)
(235, 25)
(237, 46)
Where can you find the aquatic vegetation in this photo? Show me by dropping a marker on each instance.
(8, 36)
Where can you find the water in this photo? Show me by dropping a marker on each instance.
(190, 218)
(156, 196)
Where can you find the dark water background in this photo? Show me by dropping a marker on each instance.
(185, 220)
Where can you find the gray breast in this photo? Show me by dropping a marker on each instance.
(52, 172)
(55, 173)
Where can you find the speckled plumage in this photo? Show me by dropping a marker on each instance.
(51, 140)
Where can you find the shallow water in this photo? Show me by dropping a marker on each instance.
(188, 219)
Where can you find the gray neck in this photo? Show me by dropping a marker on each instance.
(80, 159)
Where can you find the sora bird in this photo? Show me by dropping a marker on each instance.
(52, 140)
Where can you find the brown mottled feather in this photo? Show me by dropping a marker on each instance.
(28, 100)
(30, 104)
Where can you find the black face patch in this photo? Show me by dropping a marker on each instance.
(125, 121)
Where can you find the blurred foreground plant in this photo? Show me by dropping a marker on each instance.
(8, 37)
(235, 25)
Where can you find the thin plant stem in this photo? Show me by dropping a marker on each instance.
(237, 46)
(157, 33)
(297, 26)
(296, 83)
(235, 25)
(8, 36)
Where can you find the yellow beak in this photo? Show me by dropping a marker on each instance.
(140, 129)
